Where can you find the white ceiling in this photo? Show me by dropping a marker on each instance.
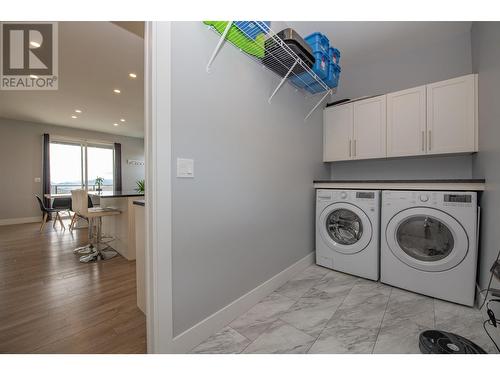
(359, 41)
(94, 59)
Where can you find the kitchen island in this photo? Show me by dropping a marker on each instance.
(119, 230)
(140, 250)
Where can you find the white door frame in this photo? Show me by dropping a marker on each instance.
(158, 192)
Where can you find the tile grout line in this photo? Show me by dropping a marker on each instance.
(382, 320)
(279, 315)
(317, 281)
(326, 325)
(246, 346)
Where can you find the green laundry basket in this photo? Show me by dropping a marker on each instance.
(254, 47)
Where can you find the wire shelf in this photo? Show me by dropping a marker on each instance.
(271, 51)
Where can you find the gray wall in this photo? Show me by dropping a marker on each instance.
(405, 168)
(21, 162)
(408, 68)
(486, 163)
(249, 212)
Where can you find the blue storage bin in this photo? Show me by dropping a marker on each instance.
(320, 67)
(334, 54)
(251, 28)
(331, 81)
(318, 42)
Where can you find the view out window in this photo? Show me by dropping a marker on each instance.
(78, 165)
(100, 164)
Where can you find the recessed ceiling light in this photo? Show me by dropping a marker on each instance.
(115, 124)
(78, 110)
(116, 91)
(74, 116)
(34, 44)
(33, 76)
(132, 75)
(122, 120)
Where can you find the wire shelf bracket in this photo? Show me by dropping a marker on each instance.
(281, 60)
(219, 45)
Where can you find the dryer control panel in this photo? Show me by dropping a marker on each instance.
(430, 198)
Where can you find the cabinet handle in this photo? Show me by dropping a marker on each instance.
(429, 140)
(349, 143)
(354, 152)
(423, 140)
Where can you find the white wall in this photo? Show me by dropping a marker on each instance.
(21, 162)
(486, 163)
(409, 67)
(249, 212)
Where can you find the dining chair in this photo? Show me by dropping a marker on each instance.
(63, 203)
(47, 211)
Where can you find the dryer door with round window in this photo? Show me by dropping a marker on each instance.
(345, 228)
(427, 239)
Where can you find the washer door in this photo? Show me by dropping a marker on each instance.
(427, 239)
(345, 228)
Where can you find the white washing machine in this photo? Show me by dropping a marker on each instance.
(347, 231)
(429, 243)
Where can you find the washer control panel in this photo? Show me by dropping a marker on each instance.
(423, 197)
(361, 196)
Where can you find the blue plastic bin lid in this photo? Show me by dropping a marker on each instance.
(323, 39)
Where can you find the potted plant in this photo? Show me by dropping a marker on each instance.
(99, 181)
(140, 186)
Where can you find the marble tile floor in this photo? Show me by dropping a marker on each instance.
(324, 311)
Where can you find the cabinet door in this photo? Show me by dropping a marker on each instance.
(406, 118)
(451, 119)
(337, 132)
(369, 128)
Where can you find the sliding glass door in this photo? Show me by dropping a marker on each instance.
(100, 165)
(80, 165)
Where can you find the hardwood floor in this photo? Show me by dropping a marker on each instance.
(52, 303)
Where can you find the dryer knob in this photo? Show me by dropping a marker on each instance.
(343, 195)
(424, 197)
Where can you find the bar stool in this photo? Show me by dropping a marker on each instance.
(95, 250)
(75, 217)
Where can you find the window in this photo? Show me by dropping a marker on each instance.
(77, 165)
(100, 163)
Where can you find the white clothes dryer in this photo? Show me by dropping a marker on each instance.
(429, 243)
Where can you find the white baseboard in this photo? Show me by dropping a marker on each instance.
(195, 335)
(21, 220)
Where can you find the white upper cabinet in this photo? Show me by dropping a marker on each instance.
(369, 130)
(406, 122)
(440, 118)
(451, 115)
(337, 132)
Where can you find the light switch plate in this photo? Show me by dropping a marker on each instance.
(185, 168)
(38, 179)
